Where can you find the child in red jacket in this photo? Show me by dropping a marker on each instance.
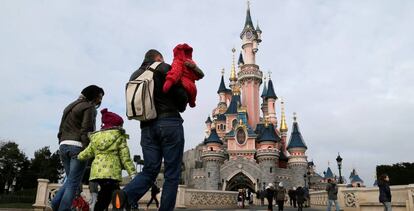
(185, 71)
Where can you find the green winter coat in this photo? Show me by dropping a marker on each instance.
(111, 152)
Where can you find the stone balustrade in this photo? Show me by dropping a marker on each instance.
(366, 199)
(186, 198)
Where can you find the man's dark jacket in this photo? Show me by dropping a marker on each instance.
(168, 104)
(332, 189)
(78, 120)
(384, 192)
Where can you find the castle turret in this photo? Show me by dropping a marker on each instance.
(250, 77)
(271, 100)
(267, 154)
(213, 157)
(208, 126)
(355, 180)
(297, 159)
(223, 93)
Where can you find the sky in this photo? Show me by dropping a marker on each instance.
(345, 67)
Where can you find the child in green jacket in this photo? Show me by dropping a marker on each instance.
(111, 152)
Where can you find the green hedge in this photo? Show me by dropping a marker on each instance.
(23, 196)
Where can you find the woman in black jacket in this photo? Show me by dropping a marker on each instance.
(385, 192)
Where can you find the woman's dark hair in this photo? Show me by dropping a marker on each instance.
(382, 177)
(92, 92)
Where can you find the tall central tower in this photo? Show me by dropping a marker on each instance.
(250, 77)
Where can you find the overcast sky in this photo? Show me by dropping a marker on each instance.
(345, 67)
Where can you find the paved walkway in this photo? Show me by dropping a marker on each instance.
(260, 208)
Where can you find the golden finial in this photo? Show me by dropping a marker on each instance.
(266, 121)
(240, 122)
(222, 71)
(236, 89)
(294, 116)
(283, 125)
(233, 76)
(269, 74)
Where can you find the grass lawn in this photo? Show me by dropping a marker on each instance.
(16, 205)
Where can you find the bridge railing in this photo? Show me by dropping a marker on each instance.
(186, 198)
(367, 198)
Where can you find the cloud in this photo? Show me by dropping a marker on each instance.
(345, 66)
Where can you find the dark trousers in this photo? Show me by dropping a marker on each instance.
(292, 202)
(163, 138)
(270, 204)
(280, 204)
(153, 198)
(108, 186)
(300, 206)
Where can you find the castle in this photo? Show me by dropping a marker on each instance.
(245, 145)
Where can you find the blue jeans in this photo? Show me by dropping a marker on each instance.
(330, 202)
(387, 206)
(74, 170)
(164, 138)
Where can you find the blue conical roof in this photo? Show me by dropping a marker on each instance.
(208, 120)
(213, 137)
(270, 90)
(248, 23)
(241, 61)
(328, 173)
(356, 178)
(222, 88)
(234, 104)
(296, 140)
(269, 134)
(264, 93)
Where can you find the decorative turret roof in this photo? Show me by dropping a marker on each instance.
(270, 90)
(269, 134)
(264, 93)
(283, 125)
(241, 61)
(234, 104)
(208, 120)
(248, 24)
(356, 178)
(296, 140)
(258, 29)
(220, 117)
(328, 174)
(213, 137)
(222, 88)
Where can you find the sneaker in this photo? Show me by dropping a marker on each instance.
(120, 201)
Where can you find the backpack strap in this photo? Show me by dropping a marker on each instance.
(154, 66)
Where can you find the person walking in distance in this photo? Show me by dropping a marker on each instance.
(292, 197)
(270, 192)
(155, 190)
(162, 138)
(300, 197)
(385, 192)
(77, 121)
(332, 190)
(281, 196)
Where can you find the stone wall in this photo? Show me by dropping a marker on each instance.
(186, 198)
(212, 175)
(366, 199)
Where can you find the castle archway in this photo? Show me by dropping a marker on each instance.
(240, 180)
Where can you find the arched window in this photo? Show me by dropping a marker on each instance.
(211, 148)
(208, 174)
(271, 169)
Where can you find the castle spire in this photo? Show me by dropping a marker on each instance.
(233, 76)
(241, 61)
(248, 24)
(283, 125)
(264, 93)
(222, 88)
(296, 139)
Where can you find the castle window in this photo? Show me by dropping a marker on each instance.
(208, 174)
(224, 127)
(271, 169)
(211, 148)
(234, 123)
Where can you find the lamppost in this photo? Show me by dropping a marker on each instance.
(304, 178)
(339, 161)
